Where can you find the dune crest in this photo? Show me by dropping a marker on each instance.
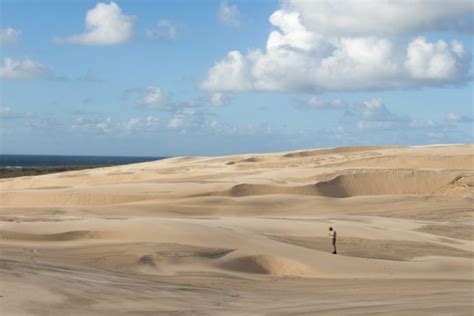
(366, 182)
(328, 151)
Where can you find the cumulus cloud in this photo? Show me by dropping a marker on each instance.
(9, 35)
(191, 115)
(229, 14)
(24, 69)
(381, 17)
(165, 29)
(436, 61)
(375, 110)
(105, 25)
(181, 115)
(230, 74)
(155, 98)
(300, 55)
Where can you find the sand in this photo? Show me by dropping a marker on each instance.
(245, 235)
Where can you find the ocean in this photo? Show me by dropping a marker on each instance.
(32, 161)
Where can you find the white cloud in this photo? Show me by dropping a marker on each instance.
(453, 117)
(212, 124)
(218, 99)
(371, 122)
(372, 114)
(155, 98)
(24, 69)
(176, 121)
(438, 61)
(375, 110)
(9, 35)
(381, 17)
(229, 14)
(150, 122)
(306, 58)
(104, 126)
(147, 124)
(165, 29)
(110, 126)
(105, 25)
(230, 74)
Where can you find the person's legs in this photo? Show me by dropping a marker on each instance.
(334, 245)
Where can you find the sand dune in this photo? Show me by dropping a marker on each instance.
(66, 236)
(379, 249)
(403, 161)
(339, 150)
(267, 264)
(373, 182)
(245, 234)
(392, 182)
(66, 197)
(458, 231)
(347, 184)
(247, 160)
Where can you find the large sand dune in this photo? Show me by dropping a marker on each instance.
(245, 234)
(378, 182)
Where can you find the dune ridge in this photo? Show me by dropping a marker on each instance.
(337, 150)
(365, 182)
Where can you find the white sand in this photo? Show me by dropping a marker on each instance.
(245, 235)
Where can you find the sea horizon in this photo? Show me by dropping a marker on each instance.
(34, 160)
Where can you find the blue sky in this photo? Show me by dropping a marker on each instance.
(173, 78)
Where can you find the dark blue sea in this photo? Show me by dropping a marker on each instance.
(17, 161)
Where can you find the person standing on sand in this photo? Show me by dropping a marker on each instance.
(333, 234)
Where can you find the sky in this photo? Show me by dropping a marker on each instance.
(171, 78)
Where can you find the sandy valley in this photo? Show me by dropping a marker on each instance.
(245, 234)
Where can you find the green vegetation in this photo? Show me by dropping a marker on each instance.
(9, 172)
